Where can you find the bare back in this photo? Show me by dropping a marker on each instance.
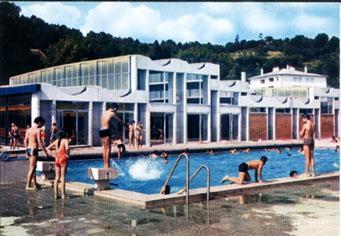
(254, 164)
(308, 130)
(105, 121)
(32, 138)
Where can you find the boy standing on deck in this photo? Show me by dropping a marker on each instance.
(32, 142)
(105, 133)
(244, 175)
(307, 133)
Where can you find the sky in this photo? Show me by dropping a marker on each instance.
(205, 22)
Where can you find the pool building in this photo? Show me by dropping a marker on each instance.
(176, 101)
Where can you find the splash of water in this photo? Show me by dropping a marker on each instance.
(145, 169)
(120, 171)
(335, 165)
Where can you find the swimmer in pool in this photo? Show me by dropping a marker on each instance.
(121, 148)
(233, 151)
(293, 174)
(210, 152)
(156, 154)
(244, 176)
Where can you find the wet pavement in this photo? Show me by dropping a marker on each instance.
(311, 209)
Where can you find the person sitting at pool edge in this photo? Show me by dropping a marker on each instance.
(256, 165)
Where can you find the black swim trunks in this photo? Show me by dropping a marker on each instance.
(32, 152)
(243, 167)
(309, 142)
(104, 133)
(121, 145)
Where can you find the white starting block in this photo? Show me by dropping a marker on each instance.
(47, 169)
(102, 177)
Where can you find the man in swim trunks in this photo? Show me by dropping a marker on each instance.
(105, 133)
(307, 133)
(244, 175)
(32, 143)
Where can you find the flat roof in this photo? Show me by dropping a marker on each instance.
(285, 72)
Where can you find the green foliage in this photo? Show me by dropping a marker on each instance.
(61, 45)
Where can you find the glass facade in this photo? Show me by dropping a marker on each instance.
(230, 98)
(16, 109)
(160, 86)
(113, 73)
(283, 92)
(197, 89)
(326, 105)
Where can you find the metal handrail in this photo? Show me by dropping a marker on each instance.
(208, 179)
(187, 172)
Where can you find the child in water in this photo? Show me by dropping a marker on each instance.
(61, 146)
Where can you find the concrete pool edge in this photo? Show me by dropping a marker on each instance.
(196, 195)
(83, 153)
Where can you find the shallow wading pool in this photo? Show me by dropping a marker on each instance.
(145, 175)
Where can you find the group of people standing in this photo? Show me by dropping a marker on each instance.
(59, 144)
(135, 134)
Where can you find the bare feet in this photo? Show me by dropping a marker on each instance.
(30, 188)
(181, 191)
(63, 196)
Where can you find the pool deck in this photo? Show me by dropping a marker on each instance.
(85, 152)
(196, 195)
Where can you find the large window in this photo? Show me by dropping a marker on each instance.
(15, 109)
(230, 98)
(141, 79)
(197, 90)
(326, 105)
(109, 73)
(257, 110)
(71, 73)
(160, 86)
(283, 110)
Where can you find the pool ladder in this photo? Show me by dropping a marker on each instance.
(188, 180)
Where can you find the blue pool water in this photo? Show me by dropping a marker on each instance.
(145, 175)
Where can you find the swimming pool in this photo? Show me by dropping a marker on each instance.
(145, 175)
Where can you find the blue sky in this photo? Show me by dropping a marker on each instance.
(213, 22)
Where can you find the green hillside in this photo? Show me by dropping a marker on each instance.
(60, 45)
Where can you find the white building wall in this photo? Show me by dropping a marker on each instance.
(35, 107)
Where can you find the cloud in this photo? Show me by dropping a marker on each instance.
(308, 23)
(258, 19)
(199, 27)
(218, 7)
(54, 12)
(127, 20)
(122, 19)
